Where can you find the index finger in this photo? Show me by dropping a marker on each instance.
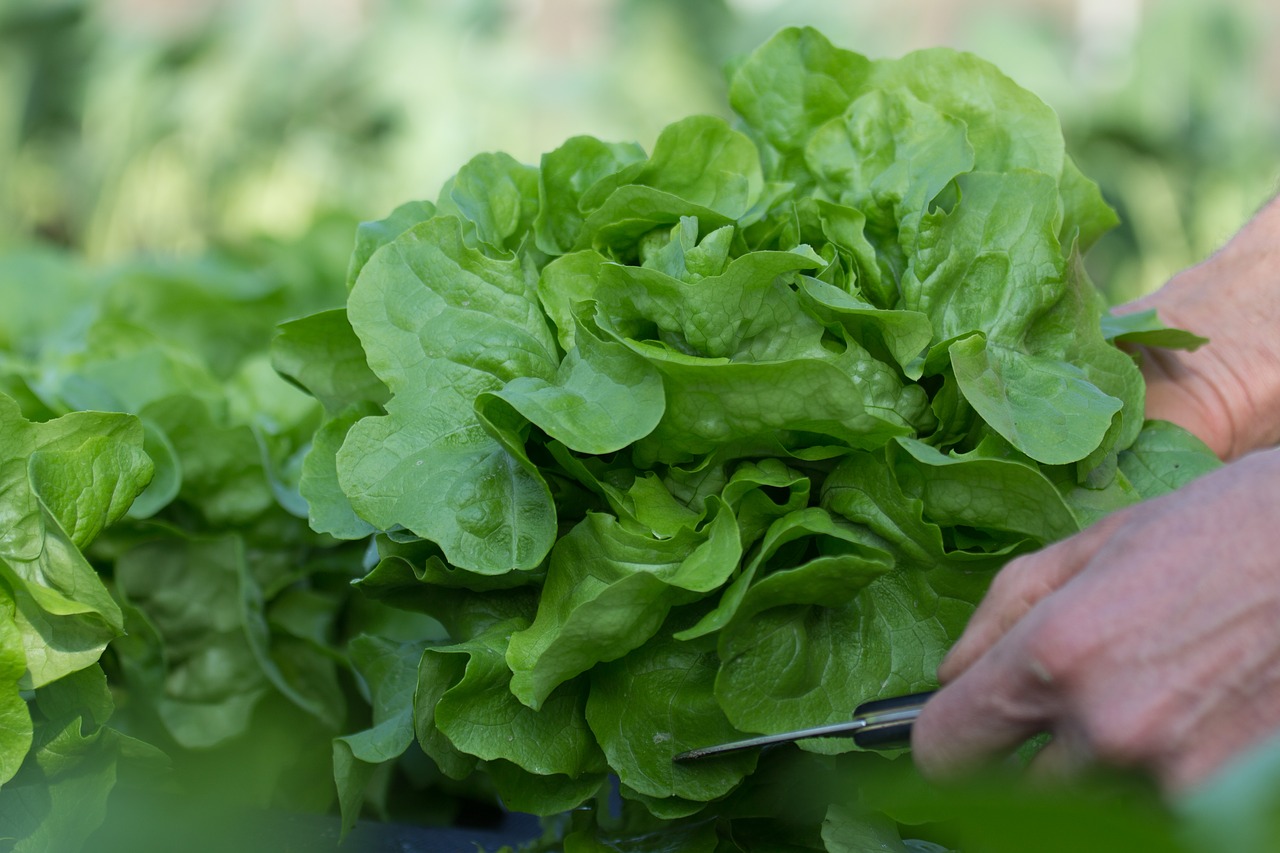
(1002, 699)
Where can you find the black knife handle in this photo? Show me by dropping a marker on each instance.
(889, 721)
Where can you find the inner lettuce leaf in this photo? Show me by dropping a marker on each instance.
(724, 438)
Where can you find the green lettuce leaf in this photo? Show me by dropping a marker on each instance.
(421, 304)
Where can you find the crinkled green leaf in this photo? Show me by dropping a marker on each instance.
(793, 84)
(65, 799)
(300, 672)
(1165, 457)
(992, 264)
(86, 467)
(603, 397)
(166, 483)
(480, 717)
(391, 672)
(983, 492)
(903, 335)
(681, 254)
(522, 791)
(566, 174)
(190, 593)
(760, 492)
(889, 156)
(699, 167)
(61, 482)
(565, 282)
(329, 509)
(655, 703)
(703, 160)
(220, 460)
(1085, 214)
(747, 313)
(1008, 127)
(323, 355)
(798, 665)
(809, 523)
(15, 719)
(441, 324)
(713, 403)
(608, 590)
(372, 236)
(1046, 408)
(83, 695)
(498, 195)
(632, 211)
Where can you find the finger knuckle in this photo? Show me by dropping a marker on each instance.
(1123, 738)
(1017, 583)
(1060, 649)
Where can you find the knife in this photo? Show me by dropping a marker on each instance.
(879, 724)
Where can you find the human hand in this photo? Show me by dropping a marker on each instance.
(1150, 640)
(1228, 392)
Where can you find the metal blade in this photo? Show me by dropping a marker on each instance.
(834, 730)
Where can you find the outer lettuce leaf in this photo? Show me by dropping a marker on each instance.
(372, 236)
(542, 761)
(390, 671)
(421, 306)
(1165, 457)
(655, 703)
(329, 510)
(1046, 408)
(480, 717)
(1009, 127)
(322, 354)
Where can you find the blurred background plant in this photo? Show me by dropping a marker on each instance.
(132, 126)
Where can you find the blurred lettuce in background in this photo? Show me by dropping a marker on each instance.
(141, 125)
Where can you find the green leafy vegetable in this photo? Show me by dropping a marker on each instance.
(724, 438)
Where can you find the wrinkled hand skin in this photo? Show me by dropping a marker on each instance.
(1152, 639)
(1227, 392)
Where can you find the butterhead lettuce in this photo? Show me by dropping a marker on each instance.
(725, 438)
